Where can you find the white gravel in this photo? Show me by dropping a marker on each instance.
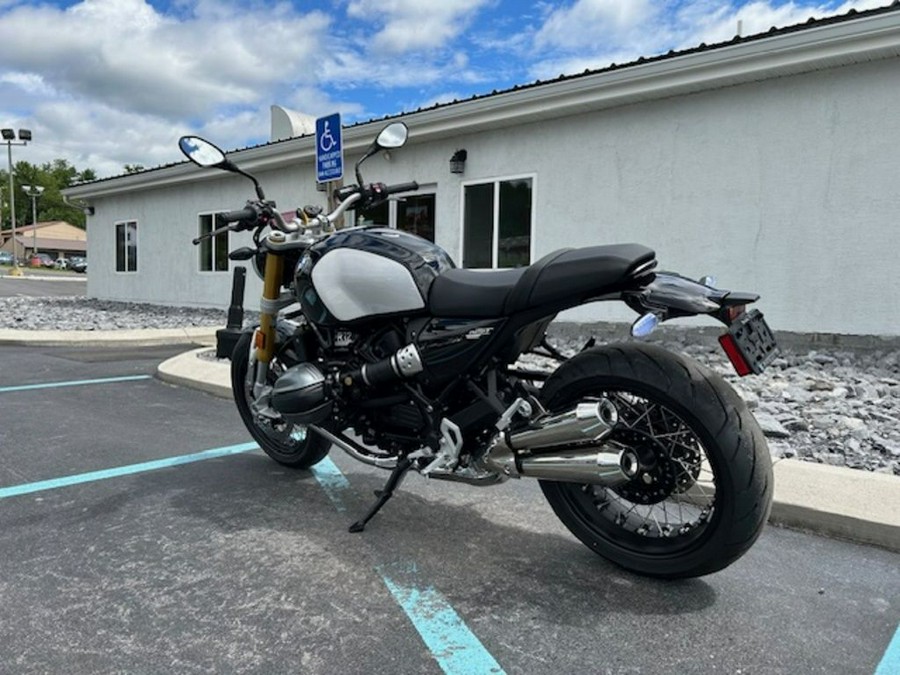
(830, 406)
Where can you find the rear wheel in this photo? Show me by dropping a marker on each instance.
(292, 445)
(705, 488)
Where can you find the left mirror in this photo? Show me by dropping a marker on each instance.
(201, 151)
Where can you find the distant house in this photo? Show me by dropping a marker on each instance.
(57, 238)
(768, 161)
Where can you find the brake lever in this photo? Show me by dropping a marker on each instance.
(211, 234)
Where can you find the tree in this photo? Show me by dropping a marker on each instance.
(53, 177)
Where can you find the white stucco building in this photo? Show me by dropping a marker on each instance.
(770, 162)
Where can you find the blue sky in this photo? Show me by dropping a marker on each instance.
(104, 83)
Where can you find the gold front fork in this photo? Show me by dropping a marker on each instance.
(264, 339)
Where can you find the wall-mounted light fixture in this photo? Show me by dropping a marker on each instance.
(458, 161)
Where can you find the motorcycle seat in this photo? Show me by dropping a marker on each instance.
(561, 279)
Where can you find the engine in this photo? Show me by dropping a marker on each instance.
(362, 382)
(394, 385)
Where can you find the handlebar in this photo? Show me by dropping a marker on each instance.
(374, 191)
(412, 186)
(251, 214)
(246, 213)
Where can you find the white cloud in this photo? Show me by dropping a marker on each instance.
(591, 23)
(100, 137)
(30, 83)
(123, 53)
(411, 25)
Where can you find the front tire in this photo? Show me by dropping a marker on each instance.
(707, 489)
(292, 445)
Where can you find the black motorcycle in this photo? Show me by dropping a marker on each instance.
(372, 340)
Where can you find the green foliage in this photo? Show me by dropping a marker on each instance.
(53, 177)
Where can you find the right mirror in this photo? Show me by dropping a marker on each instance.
(393, 135)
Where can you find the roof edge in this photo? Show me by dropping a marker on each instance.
(869, 36)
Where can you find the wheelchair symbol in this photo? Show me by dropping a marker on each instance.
(326, 140)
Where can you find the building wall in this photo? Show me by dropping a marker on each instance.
(786, 187)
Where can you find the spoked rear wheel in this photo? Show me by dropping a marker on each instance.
(292, 445)
(705, 487)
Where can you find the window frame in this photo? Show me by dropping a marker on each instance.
(226, 235)
(125, 224)
(425, 190)
(495, 235)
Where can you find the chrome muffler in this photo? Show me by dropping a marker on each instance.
(565, 447)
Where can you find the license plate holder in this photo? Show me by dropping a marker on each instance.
(750, 343)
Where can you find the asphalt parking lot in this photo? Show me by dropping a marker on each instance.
(34, 284)
(140, 533)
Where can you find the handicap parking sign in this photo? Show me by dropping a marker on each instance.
(329, 149)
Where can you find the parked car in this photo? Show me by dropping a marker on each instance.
(62, 263)
(78, 264)
(6, 258)
(42, 260)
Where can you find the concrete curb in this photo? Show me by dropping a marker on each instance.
(850, 504)
(45, 277)
(134, 338)
(844, 503)
(187, 370)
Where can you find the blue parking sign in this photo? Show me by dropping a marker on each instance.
(329, 149)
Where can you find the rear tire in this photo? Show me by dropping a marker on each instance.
(710, 492)
(292, 445)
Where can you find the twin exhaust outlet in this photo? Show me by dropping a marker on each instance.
(566, 447)
(569, 447)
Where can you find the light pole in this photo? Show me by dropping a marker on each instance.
(33, 191)
(9, 136)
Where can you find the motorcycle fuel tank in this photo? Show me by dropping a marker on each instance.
(356, 275)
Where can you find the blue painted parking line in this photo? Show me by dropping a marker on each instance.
(332, 481)
(91, 476)
(73, 383)
(455, 648)
(890, 662)
(453, 645)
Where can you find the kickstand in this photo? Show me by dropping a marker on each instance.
(393, 482)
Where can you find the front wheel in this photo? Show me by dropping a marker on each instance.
(705, 488)
(292, 445)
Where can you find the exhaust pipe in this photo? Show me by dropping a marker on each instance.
(581, 466)
(566, 447)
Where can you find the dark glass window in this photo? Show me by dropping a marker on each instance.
(501, 236)
(214, 251)
(126, 247)
(415, 214)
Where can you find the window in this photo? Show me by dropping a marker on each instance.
(415, 214)
(410, 213)
(214, 251)
(126, 246)
(497, 223)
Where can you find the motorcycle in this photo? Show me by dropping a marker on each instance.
(372, 340)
